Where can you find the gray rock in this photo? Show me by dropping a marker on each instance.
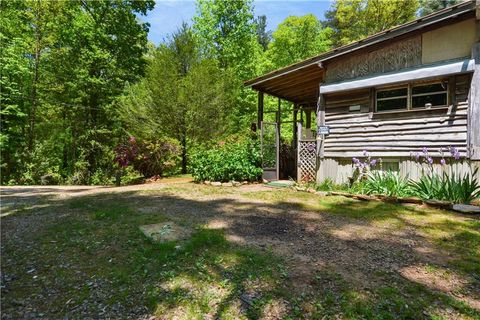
(227, 184)
(206, 182)
(216, 184)
(466, 208)
(236, 183)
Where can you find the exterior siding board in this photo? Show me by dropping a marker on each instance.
(391, 136)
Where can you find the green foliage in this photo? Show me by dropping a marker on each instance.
(157, 157)
(353, 20)
(236, 158)
(450, 187)
(297, 38)
(388, 183)
(63, 63)
(227, 33)
(430, 6)
(131, 176)
(326, 185)
(182, 96)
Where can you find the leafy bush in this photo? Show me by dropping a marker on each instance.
(150, 158)
(131, 176)
(387, 183)
(235, 159)
(453, 187)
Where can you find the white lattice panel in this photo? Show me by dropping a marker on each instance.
(307, 160)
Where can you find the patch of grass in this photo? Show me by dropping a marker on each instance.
(98, 254)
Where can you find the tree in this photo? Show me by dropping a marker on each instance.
(182, 96)
(263, 36)
(352, 20)
(297, 38)
(430, 6)
(66, 61)
(227, 33)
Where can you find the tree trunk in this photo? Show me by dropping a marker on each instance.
(33, 94)
(184, 154)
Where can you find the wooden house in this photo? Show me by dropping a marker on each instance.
(399, 91)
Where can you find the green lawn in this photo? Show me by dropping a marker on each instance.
(84, 256)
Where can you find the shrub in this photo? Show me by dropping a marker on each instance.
(387, 183)
(453, 187)
(238, 159)
(150, 158)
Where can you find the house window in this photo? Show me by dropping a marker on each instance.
(412, 97)
(392, 99)
(429, 95)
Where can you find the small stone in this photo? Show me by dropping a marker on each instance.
(466, 208)
(227, 184)
(322, 193)
(244, 182)
(236, 183)
(439, 204)
(311, 190)
(216, 184)
(265, 181)
(206, 182)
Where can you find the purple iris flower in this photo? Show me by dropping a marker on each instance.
(373, 163)
(430, 160)
(442, 162)
(425, 150)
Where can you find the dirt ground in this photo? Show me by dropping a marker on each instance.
(313, 238)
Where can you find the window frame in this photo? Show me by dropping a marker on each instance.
(410, 95)
(392, 98)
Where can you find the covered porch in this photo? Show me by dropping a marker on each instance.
(296, 88)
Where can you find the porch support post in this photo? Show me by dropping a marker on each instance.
(321, 122)
(260, 110)
(474, 98)
(308, 116)
(279, 115)
(295, 114)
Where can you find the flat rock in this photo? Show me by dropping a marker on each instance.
(166, 231)
(227, 184)
(466, 208)
(439, 204)
(216, 183)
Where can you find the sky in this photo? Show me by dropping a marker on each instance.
(168, 15)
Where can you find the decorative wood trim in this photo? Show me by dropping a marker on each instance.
(396, 56)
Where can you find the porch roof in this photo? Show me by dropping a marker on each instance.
(299, 82)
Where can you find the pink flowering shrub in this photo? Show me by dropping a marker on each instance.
(150, 158)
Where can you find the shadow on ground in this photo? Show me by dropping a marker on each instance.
(264, 254)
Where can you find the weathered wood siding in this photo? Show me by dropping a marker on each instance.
(391, 135)
(339, 169)
(394, 134)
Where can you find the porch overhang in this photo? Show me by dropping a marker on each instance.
(297, 83)
(424, 73)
